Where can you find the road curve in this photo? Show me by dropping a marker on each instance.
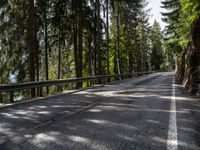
(147, 112)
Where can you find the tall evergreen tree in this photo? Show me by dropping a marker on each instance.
(172, 19)
(56, 39)
(157, 51)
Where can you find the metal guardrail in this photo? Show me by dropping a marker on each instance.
(38, 84)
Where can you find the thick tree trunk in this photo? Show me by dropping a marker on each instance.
(59, 60)
(98, 30)
(38, 68)
(95, 43)
(115, 59)
(127, 53)
(46, 47)
(74, 10)
(118, 38)
(97, 51)
(80, 41)
(107, 38)
(98, 37)
(31, 42)
(78, 38)
(128, 61)
(89, 57)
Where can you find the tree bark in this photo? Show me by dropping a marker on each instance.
(78, 38)
(46, 47)
(89, 56)
(74, 10)
(38, 68)
(31, 41)
(59, 60)
(108, 43)
(95, 41)
(118, 38)
(98, 37)
(80, 41)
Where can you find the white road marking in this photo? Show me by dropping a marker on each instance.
(172, 142)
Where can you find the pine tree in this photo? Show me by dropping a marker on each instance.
(56, 39)
(157, 51)
(172, 19)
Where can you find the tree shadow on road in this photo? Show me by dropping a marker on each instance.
(135, 118)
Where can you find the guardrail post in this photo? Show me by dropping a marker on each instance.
(59, 88)
(132, 75)
(108, 79)
(47, 90)
(99, 81)
(41, 91)
(11, 96)
(87, 84)
(1, 97)
(38, 91)
(79, 84)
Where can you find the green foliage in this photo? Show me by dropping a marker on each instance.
(179, 18)
(190, 9)
(157, 50)
(189, 12)
(131, 45)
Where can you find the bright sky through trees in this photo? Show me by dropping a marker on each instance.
(156, 12)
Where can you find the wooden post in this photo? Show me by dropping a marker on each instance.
(12, 96)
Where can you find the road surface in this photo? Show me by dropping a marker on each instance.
(143, 113)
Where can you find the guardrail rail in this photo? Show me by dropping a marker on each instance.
(11, 88)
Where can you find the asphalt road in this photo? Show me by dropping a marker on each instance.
(144, 113)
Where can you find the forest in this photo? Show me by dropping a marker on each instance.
(60, 39)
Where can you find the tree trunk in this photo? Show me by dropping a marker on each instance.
(98, 37)
(127, 52)
(74, 10)
(78, 31)
(95, 41)
(31, 42)
(115, 59)
(80, 41)
(118, 38)
(128, 61)
(38, 68)
(89, 57)
(46, 47)
(59, 59)
(108, 43)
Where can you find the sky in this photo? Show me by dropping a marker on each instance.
(156, 12)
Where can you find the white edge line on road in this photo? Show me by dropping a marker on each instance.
(172, 142)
